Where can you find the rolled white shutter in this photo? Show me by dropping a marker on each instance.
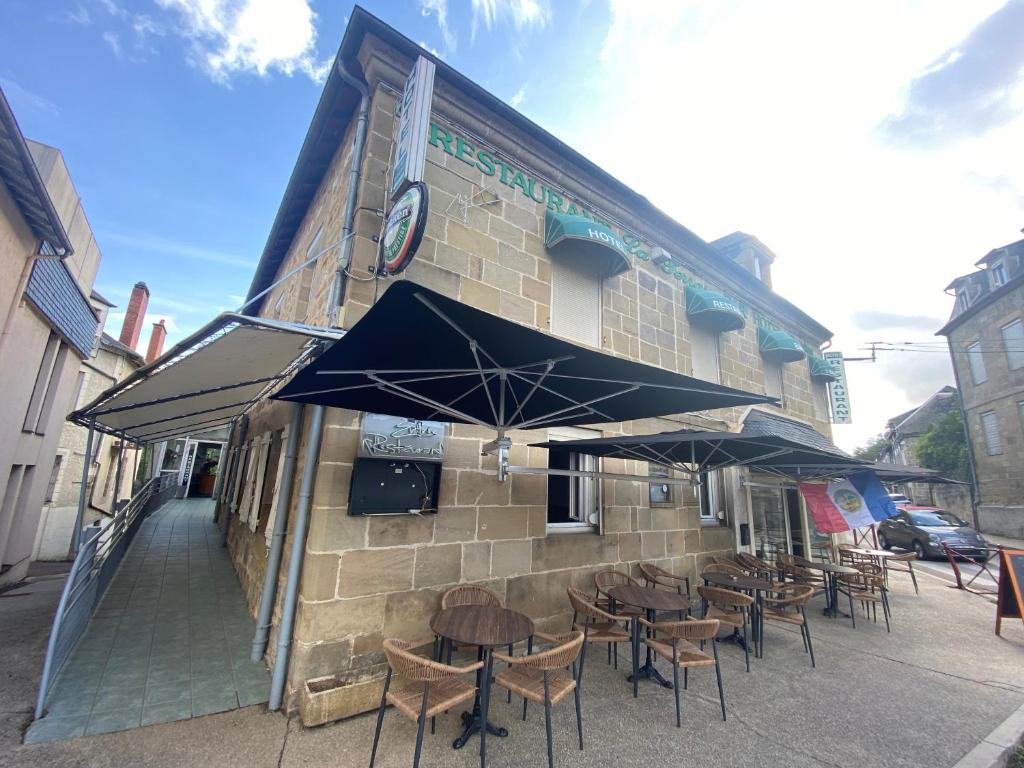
(575, 301)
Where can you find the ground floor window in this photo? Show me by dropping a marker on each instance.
(573, 502)
(777, 521)
(711, 497)
(660, 493)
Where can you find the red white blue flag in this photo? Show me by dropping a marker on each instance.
(843, 505)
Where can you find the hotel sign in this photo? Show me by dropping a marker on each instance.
(413, 123)
(392, 437)
(838, 393)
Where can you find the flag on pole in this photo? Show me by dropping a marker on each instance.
(843, 505)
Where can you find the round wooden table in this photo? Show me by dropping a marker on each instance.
(651, 601)
(487, 627)
(745, 584)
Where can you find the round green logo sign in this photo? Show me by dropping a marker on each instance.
(404, 229)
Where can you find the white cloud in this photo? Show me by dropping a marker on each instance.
(230, 37)
(439, 8)
(433, 51)
(518, 97)
(157, 244)
(23, 97)
(764, 118)
(111, 39)
(523, 13)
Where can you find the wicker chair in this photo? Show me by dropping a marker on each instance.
(731, 608)
(469, 594)
(431, 688)
(756, 566)
(790, 608)
(605, 580)
(903, 564)
(867, 588)
(674, 641)
(542, 678)
(599, 626)
(730, 568)
(790, 570)
(655, 577)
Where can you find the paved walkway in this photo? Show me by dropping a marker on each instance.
(169, 641)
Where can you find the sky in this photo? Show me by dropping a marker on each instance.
(874, 147)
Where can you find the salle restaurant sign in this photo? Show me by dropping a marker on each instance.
(392, 437)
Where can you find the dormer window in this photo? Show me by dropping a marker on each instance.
(962, 302)
(998, 272)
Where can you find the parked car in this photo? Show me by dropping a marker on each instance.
(899, 498)
(925, 529)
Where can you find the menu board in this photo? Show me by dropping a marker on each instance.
(1010, 601)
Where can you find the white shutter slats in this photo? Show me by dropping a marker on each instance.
(272, 515)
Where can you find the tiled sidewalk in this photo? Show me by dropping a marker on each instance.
(170, 640)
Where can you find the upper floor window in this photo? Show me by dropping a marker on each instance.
(704, 354)
(977, 362)
(998, 272)
(963, 303)
(990, 428)
(773, 380)
(575, 301)
(1013, 342)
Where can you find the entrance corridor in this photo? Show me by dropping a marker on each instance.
(169, 641)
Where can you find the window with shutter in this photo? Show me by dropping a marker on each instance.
(576, 301)
(275, 495)
(1013, 342)
(773, 379)
(573, 502)
(704, 351)
(993, 440)
(977, 362)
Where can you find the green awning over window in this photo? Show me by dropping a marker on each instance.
(820, 369)
(713, 310)
(565, 234)
(779, 347)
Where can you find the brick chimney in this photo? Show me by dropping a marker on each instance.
(156, 341)
(132, 326)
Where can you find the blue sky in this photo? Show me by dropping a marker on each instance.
(875, 148)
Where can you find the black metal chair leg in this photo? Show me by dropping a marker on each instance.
(422, 723)
(853, 618)
(807, 635)
(675, 688)
(746, 645)
(380, 717)
(885, 610)
(636, 657)
(547, 720)
(686, 678)
(485, 704)
(579, 716)
(718, 675)
(913, 578)
(510, 653)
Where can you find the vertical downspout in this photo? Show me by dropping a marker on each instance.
(284, 502)
(291, 595)
(76, 533)
(230, 508)
(975, 490)
(280, 673)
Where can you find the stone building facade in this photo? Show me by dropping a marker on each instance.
(365, 578)
(986, 342)
(48, 259)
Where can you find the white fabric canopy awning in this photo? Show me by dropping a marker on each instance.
(205, 381)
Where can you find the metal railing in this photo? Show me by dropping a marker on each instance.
(101, 551)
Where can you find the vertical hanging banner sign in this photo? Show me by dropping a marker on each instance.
(838, 393)
(413, 127)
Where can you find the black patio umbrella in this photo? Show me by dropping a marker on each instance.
(907, 473)
(698, 451)
(420, 355)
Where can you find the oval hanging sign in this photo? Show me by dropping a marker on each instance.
(404, 229)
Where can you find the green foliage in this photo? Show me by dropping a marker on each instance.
(944, 448)
(871, 450)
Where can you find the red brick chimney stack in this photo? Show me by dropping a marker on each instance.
(156, 341)
(132, 326)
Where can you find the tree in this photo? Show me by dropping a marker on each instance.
(943, 447)
(872, 449)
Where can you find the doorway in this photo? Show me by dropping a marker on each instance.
(777, 521)
(201, 469)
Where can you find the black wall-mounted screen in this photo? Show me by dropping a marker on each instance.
(393, 487)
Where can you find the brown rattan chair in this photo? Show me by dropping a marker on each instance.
(731, 608)
(598, 626)
(469, 594)
(674, 641)
(542, 678)
(867, 588)
(790, 570)
(903, 563)
(431, 688)
(755, 566)
(655, 577)
(790, 608)
(730, 568)
(723, 559)
(605, 580)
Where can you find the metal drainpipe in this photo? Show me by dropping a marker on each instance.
(291, 595)
(284, 500)
(76, 533)
(345, 256)
(975, 490)
(280, 674)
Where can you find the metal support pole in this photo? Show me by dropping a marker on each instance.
(291, 594)
(76, 533)
(284, 499)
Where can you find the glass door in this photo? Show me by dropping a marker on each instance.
(771, 526)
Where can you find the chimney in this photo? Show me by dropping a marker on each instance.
(132, 326)
(156, 341)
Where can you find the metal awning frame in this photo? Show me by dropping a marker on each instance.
(90, 415)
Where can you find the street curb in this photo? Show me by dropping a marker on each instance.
(991, 752)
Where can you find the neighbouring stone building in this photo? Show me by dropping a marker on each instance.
(112, 360)
(48, 259)
(495, 181)
(986, 341)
